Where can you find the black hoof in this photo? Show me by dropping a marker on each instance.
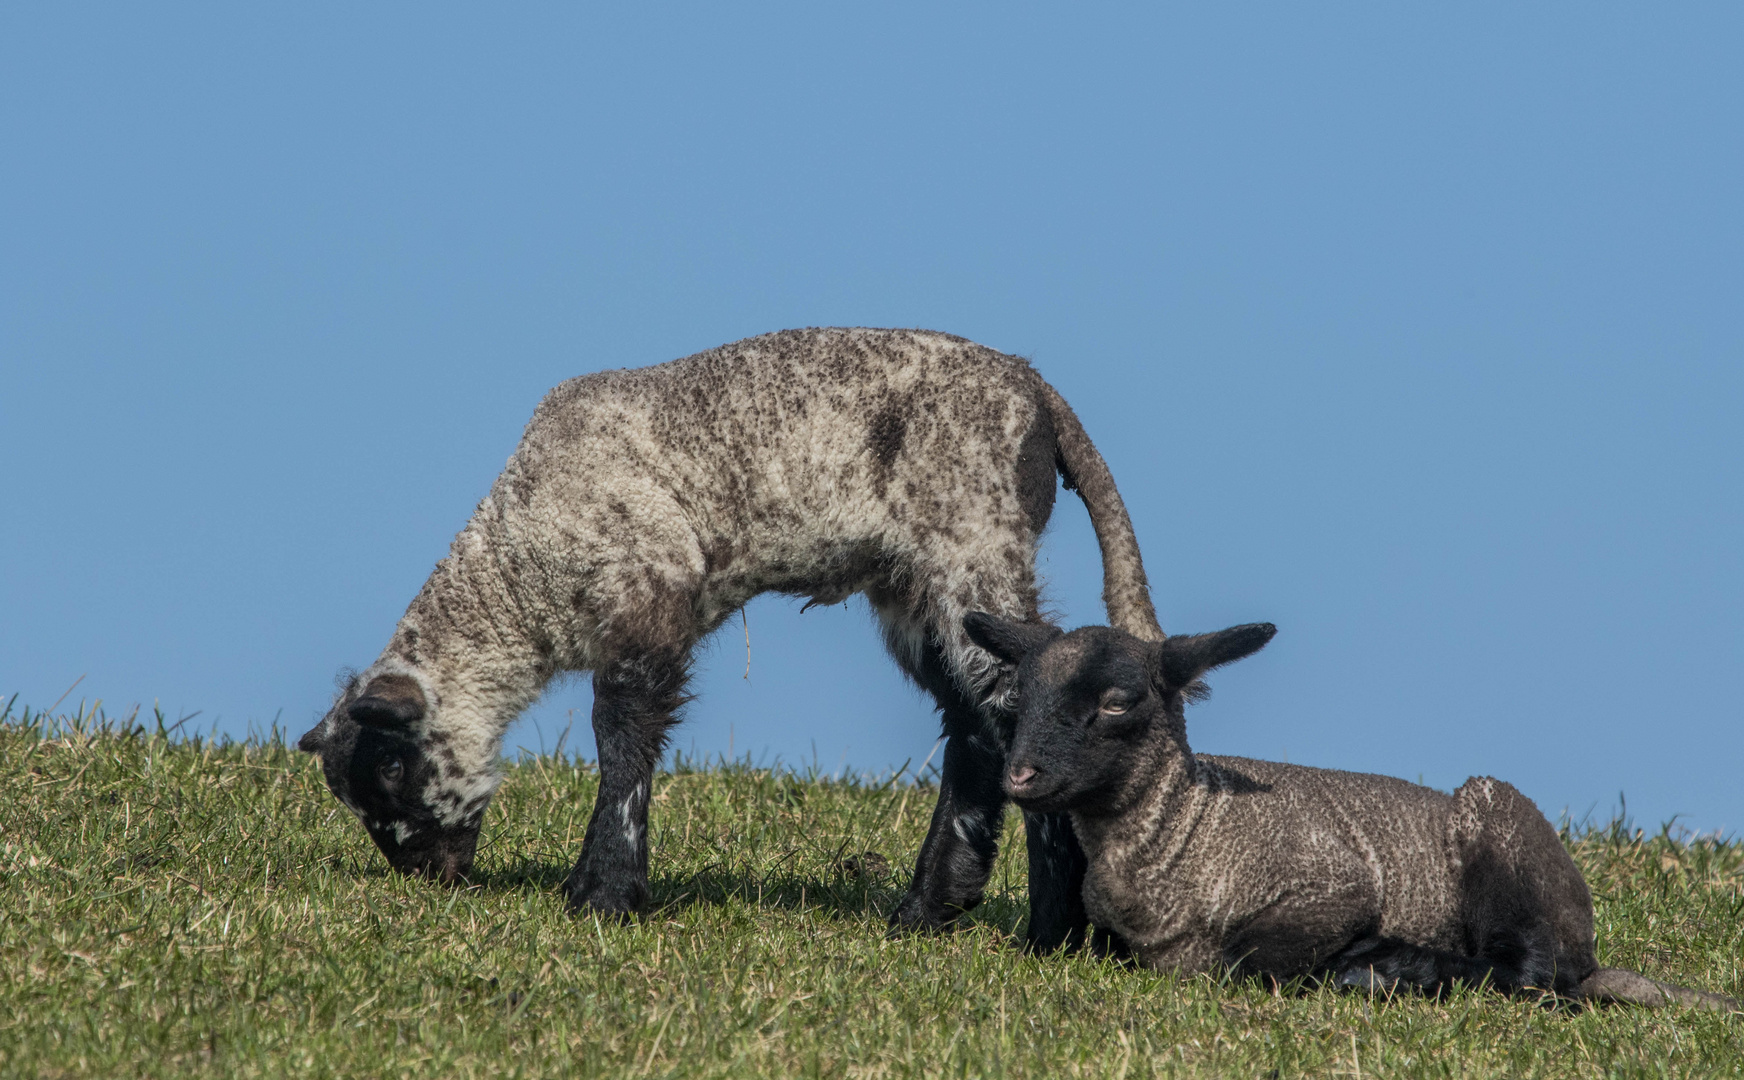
(1043, 937)
(916, 916)
(1367, 980)
(619, 899)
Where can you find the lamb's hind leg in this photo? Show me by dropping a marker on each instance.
(1387, 965)
(1523, 905)
(634, 702)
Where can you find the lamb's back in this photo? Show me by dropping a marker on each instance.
(796, 427)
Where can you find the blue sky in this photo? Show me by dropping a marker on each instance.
(1418, 333)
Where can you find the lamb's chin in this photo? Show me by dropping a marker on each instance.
(1038, 801)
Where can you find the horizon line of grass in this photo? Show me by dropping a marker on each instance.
(93, 722)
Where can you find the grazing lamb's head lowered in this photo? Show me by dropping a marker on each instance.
(381, 760)
(1100, 711)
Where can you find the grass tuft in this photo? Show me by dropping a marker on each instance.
(175, 906)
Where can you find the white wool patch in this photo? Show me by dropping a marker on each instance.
(632, 834)
(455, 799)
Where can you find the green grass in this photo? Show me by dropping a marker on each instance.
(184, 907)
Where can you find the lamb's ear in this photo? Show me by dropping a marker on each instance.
(1181, 660)
(1008, 640)
(388, 701)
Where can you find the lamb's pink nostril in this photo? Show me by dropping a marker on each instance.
(1020, 776)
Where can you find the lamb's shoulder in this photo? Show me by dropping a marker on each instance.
(1289, 836)
(1256, 862)
(1388, 832)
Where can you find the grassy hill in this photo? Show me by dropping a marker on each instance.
(183, 907)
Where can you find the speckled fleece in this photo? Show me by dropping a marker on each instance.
(644, 507)
(1226, 852)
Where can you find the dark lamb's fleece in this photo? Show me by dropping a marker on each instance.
(1201, 863)
(643, 508)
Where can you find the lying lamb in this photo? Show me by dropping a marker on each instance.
(1202, 862)
(642, 508)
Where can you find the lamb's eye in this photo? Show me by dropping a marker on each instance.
(1114, 704)
(391, 770)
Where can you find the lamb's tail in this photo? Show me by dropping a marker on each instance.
(1627, 987)
(1125, 590)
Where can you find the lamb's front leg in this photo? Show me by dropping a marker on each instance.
(956, 858)
(632, 707)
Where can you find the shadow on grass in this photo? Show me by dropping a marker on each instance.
(835, 894)
(838, 895)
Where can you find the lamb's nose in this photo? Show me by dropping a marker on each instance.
(1020, 776)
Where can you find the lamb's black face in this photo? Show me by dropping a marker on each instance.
(383, 777)
(1084, 704)
(1091, 704)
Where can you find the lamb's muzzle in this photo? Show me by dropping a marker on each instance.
(1018, 781)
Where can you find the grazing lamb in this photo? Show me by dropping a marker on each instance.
(1200, 862)
(642, 508)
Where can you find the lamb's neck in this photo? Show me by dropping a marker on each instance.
(466, 636)
(1158, 818)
